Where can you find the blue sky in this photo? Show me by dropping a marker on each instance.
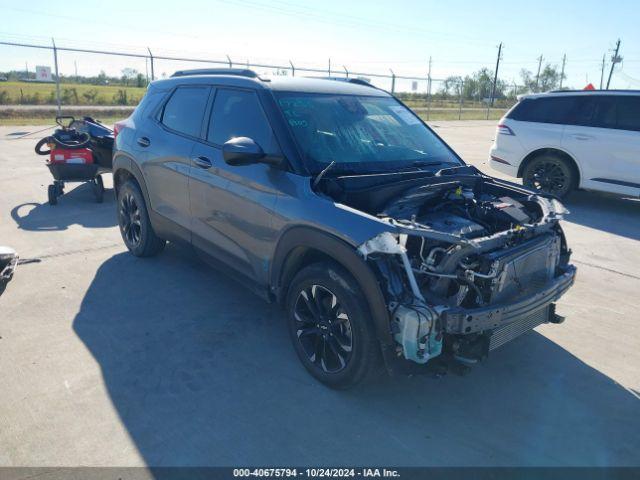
(460, 36)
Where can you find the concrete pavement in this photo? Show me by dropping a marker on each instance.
(106, 359)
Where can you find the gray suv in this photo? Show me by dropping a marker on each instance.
(335, 200)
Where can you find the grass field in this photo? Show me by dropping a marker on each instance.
(87, 96)
(25, 93)
(109, 118)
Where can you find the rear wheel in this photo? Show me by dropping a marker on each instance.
(329, 326)
(97, 186)
(550, 173)
(135, 226)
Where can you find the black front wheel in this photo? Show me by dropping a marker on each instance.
(136, 229)
(550, 174)
(329, 326)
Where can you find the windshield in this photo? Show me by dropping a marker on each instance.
(361, 134)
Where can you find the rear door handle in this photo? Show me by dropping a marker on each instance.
(143, 142)
(202, 162)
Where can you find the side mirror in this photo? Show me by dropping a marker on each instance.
(245, 151)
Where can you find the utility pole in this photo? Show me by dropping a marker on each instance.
(55, 63)
(495, 76)
(615, 59)
(75, 65)
(538, 74)
(564, 61)
(153, 75)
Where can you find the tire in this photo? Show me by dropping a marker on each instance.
(550, 173)
(98, 189)
(52, 193)
(337, 347)
(133, 219)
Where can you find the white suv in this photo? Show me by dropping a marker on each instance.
(560, 141)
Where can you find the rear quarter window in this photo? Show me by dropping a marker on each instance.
(628, 113)
(185, 109)
(543, 110)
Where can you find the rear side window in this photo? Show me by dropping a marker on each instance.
(628, 113)
(185, 109)
(237, 113)
(605, 112)
(543, 110)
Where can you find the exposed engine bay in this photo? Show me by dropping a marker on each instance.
(473, 262)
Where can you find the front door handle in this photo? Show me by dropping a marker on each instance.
(143, 142)
(202, 162)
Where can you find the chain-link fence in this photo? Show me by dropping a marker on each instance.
(73, 81)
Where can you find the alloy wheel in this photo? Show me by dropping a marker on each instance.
(323, 328)
(130, 219)
(549, 177)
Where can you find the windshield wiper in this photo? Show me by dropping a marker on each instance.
(322, 173)
(420, 163)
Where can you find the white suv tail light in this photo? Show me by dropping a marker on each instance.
(504, 130)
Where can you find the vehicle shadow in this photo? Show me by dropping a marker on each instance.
(614, 214)
(202, 373)
(77, 206)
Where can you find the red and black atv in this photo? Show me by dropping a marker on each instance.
(79, 151)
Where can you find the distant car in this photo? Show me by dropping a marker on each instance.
(335, 200)
(560, 141)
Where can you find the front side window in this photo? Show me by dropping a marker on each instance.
(185, 109)
(238, 113)
(360, 133)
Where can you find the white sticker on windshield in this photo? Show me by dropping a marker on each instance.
(405, 115)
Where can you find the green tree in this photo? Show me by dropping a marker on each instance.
(549, 79)
(451, 86)
(128, 74)
(141, 81)
(478, 86)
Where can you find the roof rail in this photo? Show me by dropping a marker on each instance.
(595, 91)
(239, 72)
(357, 81)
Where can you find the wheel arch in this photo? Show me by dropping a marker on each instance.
(552, 151)
(302, 246)
(125, 168)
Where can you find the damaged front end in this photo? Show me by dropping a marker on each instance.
(470, 264)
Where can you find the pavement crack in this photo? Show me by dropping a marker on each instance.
(611, 270)
(79, 251)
